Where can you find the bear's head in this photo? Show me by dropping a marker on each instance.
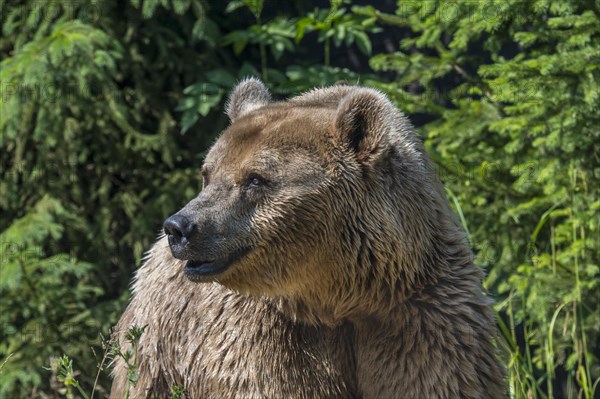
(320, 201)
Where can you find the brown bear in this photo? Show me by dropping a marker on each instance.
(321, 259)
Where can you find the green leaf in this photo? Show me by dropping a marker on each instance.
(221, 77)
(363, 42)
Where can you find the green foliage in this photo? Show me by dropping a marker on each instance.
(345, 27)
(45, 297)
(129, 356)
(63, 367)
(95, 96)
(517, 138)
(66, 375)
(89, 164)
(338, 25)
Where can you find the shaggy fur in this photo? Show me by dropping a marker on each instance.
(356, 279)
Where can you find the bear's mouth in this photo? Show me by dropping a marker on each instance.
(197, 270)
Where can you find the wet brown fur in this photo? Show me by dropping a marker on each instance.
(360, 282)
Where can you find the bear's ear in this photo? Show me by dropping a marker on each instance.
(247, 95)
(362, 120)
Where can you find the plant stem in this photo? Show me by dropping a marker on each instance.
(263, 63)
(327, 52)
(81, 391)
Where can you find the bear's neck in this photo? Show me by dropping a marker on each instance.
(387, 279)
(386, 300)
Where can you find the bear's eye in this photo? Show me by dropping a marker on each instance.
(254, 181)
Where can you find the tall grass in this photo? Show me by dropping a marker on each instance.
(532, 377)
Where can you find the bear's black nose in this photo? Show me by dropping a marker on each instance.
(178, 228)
